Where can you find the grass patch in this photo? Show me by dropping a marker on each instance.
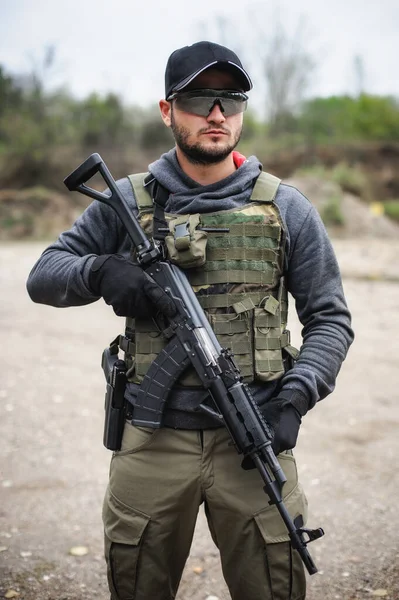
(23, 221)
(319, 171)
(350, 179)
(331, 212)
(391, 209)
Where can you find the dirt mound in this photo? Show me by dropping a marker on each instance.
(36, 213)
(379, 162)
(39, 213)
(359, 219)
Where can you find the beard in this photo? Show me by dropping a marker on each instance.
(196, 153)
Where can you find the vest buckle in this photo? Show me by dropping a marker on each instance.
(182, 236)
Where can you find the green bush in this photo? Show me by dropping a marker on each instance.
(350, 179)
(331, 213)
(343, 118)
(319, 171)
(391, 209)
(154, 135)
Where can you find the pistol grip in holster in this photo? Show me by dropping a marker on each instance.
(115, 373)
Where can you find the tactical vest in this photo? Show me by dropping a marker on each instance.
(237, 277)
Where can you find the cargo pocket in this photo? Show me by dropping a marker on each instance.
(124, 529)
(284, 565)
(234, 332)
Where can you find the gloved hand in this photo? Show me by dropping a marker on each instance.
(286, 428)
(127, 288)
(285, 420)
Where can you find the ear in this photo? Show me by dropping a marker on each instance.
(165, 108)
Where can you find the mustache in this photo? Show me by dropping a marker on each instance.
(217, 127)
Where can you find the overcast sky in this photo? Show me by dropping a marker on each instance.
(123, 46)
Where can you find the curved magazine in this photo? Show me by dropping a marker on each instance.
(163, 373)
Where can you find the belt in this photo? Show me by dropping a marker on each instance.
(178, 416)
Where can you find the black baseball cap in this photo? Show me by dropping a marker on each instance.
(186, 63)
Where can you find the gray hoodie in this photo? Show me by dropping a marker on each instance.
(61, 276)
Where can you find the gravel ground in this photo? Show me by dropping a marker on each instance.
(53, 468)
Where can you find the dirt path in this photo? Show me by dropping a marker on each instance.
(53, 467)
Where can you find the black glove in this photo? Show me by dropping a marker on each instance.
(287, 427)
(127, 288)
(284, 419)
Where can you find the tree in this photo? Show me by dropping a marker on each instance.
(283, 60)
(359, 74)
(10, 93)
(288, 69)
(103, 121)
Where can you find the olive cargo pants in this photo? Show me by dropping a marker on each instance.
(157, 482)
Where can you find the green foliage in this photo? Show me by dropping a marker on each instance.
(252, 126)
(350, 179)
(36, 126)
(318, 171)
(103, 121)
(154, 135)
(22, 222)
(391, 209)
(376, 118)
(10, 95)
(324, 118)
(284, 123)
(342, 118)
(331, 213)
(41, 131)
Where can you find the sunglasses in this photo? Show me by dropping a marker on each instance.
(201, 102)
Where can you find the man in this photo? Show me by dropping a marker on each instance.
(276, 241)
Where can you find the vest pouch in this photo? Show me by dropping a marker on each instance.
(269, 341)
(186, 245)
(235, 332)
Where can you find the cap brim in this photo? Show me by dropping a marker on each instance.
(230, 66)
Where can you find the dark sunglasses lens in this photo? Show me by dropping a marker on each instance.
(230, 106)
(196, 105)
(202, 105)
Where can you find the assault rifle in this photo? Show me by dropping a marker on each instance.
(193, 342)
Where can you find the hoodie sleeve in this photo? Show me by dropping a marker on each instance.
(60, 276)
(314, 280)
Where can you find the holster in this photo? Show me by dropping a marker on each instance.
(115, 412)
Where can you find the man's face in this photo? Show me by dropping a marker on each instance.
(206, 140)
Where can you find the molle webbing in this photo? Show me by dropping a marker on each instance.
(230, 300)
(247, 254)
(256, 336)
(250, 317)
